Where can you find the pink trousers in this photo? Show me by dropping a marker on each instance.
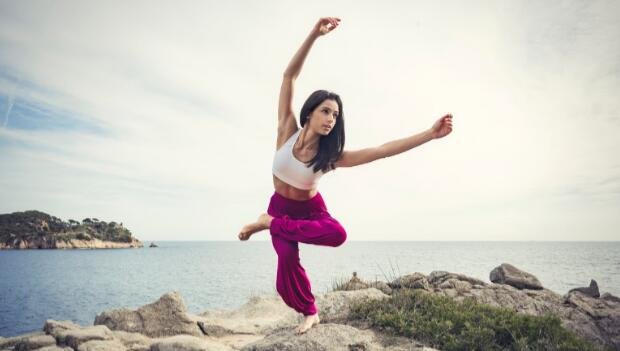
(296, 222)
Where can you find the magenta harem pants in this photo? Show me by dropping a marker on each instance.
(299, 222)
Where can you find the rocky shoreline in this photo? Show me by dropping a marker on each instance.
(266, 323)
(71, 244)
(38, 230)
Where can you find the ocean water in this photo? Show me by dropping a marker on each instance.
(76, 285)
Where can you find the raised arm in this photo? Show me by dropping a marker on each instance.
(441, 128)
(286, 116)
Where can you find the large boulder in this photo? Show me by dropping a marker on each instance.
(165, 317)
(511, 275)
(591, 290)
(260, 315)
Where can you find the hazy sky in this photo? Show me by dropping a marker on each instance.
(163, 115)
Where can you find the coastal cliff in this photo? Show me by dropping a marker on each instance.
(38, 230)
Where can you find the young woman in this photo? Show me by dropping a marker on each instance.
(296, 211)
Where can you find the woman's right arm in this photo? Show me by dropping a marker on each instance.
(286, 116)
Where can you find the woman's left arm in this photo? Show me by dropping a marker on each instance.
(441, 128)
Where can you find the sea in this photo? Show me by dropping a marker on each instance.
(77, 285)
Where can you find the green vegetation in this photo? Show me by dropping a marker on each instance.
(448, 324)
(36, 225)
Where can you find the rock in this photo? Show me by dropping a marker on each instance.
(187, 343)
(76, 337)
(54, 327)
(35, 342)
(320, 337)
(383, 286)
(133, 341)
(153, 245)
(610, 297)
(55, 348)
(411, 281)
(9, 343)
(334, 306)
(511, 275)
(259, 315)
(102, 345)
(438, 277)
(591, 290)
(165, 317)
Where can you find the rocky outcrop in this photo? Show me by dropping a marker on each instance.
(263, 323)
(596, 319)
(511, 275)
(165, 317)
(71, 244)
(266, 323)
(39, 230)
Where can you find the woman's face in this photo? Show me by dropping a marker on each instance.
(324, 117)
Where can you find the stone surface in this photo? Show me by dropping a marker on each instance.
(591, 290)
(102, 345)
(511, 275)
(35, 342)
(320, 337)
(187, 343)
(165, 317)
(76, 337)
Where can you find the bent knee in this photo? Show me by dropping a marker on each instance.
(341, 235)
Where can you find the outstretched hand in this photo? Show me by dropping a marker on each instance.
(442, 127)
(325, 25)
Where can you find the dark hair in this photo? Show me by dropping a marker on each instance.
(331, 145)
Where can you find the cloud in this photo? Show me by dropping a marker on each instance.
(163, 117)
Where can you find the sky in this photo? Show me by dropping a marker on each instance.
(163, 115)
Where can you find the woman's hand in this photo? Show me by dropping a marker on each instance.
(325, 25)
(442, 127)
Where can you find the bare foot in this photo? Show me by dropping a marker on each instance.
(263, 222)
(308, 323)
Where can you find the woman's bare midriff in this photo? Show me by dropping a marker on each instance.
(290, 192)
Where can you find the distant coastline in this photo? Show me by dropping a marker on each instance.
(38, 230)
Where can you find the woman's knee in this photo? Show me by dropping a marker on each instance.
(340, 234)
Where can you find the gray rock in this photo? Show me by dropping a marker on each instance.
(133, 341)
(591, 290)
(610, 297)
(411, 281)
(260, 315)
(334, 306)
(320, 337)
(265, 314)
(165, 317)
(76, 337)
(55, 348)
(511, 275)
(35, 342)
(102, 345)
(438, 277)
(53, 327)
(187, 343)
(9, 343)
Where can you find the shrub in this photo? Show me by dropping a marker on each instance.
(448, 324)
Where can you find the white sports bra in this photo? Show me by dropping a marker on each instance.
(291, 170)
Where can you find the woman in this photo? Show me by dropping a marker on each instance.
(297, 212)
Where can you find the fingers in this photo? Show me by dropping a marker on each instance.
(335, 21)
